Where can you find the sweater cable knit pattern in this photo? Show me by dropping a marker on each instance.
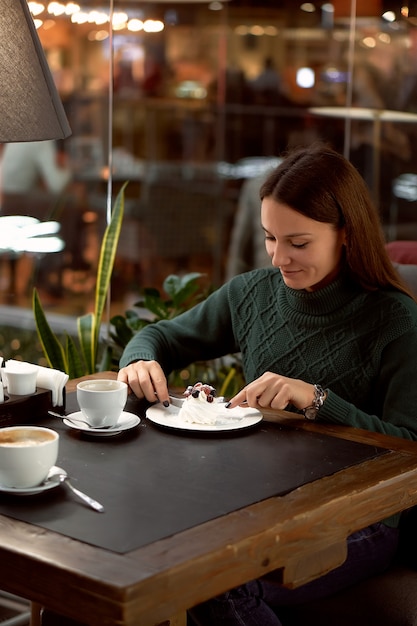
(361, 346)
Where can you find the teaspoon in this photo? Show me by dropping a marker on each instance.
(63, 478)
(75, 420)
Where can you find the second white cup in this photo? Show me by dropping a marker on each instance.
(101, 401)
(21, 381)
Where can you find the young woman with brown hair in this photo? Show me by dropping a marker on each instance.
(329, 331)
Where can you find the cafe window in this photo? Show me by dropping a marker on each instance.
(192, 99)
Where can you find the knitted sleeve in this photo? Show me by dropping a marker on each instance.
(202, 333)
(395, 392)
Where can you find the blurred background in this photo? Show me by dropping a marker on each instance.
(192, 102)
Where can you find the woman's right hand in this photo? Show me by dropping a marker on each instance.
(147, 380)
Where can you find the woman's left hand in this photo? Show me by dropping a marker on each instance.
(273, 391)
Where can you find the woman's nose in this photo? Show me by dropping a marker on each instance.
(278, 256)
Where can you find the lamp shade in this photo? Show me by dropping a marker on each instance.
(30, 107)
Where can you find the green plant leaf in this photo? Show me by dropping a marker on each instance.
(54, 352)
(86, 325)
(70, 360)
(76, 366)
(122, 332)
(171, 285)
(106, 360)
(156, 305)
(106, 262)
(180, 288)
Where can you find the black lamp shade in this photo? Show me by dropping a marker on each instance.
(30, 107)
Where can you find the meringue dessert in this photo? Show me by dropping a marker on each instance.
(201, 405)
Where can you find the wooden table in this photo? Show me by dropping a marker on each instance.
(302, 533)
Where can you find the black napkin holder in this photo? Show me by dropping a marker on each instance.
(23, 410)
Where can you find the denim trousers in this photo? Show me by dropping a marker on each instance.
(258, 603)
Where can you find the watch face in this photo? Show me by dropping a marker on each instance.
(310, 413)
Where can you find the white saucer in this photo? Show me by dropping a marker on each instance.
(126, 422)
(47, 484)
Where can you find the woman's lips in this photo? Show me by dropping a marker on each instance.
(289, 273)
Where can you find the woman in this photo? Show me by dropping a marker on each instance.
(330, 330)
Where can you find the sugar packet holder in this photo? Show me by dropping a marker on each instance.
(46, 378)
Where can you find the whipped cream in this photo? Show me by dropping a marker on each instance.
(201, 406)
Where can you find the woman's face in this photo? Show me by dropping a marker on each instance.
(308, 253)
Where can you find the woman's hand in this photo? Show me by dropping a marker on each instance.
(273, 391)
(147, 380)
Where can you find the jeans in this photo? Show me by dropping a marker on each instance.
(257, 603)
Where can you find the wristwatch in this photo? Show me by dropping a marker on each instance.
(310, 412)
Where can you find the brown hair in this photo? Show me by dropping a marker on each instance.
(321, 184)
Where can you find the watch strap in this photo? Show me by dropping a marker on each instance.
(310, 412)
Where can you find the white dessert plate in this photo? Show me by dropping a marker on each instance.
(126, 422)
(235, 419)
(29, 491)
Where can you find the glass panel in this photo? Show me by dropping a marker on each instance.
(206, 95)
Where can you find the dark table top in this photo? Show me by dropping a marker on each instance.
(156, 482)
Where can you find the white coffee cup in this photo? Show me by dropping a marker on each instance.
(101, 401)
(27, 453)
(21, 381)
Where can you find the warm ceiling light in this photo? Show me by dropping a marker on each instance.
(153, 26)
(72, 8)
(369, 42)
(257, 30)
(119, 18)
(56, 8)
(389, 16)
(98, 17)
(308, 7)
(135, 25)
(36, 8)
(79, 18)
(215, 6)
(305, 77)
(271, 31)
(384, 38)
(101, 35)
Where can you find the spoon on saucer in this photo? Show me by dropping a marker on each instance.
(75, 420)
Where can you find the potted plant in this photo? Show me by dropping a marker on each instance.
(81, 360)
(183, 292)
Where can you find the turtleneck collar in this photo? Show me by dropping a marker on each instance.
(324, 301)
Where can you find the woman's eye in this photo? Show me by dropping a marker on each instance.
(269, 238)
(299, 245)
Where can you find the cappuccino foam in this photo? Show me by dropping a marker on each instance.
(24, 438)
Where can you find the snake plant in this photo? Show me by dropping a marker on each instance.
(81, 360)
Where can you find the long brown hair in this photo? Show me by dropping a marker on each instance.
(321, 184)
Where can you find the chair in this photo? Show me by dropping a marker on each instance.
(403, 251)
(404, 256)
(14, 611)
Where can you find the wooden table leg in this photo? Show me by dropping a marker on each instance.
(35, 614)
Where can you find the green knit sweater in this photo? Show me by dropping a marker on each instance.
(361, 346)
